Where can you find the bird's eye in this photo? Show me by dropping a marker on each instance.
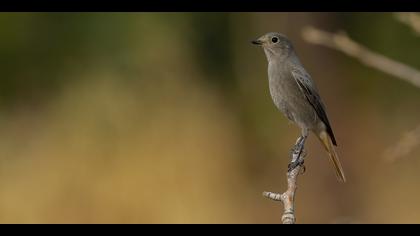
(274, 40)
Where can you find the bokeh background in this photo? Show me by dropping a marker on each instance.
(167, 118)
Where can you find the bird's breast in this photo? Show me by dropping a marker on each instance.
(281, 92)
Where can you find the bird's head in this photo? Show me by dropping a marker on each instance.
(274, 45)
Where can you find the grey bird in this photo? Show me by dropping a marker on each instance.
(295, 94)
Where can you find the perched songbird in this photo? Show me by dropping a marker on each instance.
(294, 93)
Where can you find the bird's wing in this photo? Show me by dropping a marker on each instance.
(305, 85)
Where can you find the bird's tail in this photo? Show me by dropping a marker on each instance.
(326, 141)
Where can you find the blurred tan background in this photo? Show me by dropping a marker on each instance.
(167, 118)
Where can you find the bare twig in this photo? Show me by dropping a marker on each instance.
(341, 42)
(288, 197)
(411, 19)
(409, 141)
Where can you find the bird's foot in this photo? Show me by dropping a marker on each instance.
(299, 146)
(296, 150)
(302, 170)
(298, 155)
(295, 164)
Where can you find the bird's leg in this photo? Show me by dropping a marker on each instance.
(298, 153)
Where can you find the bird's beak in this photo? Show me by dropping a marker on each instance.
(257, 42)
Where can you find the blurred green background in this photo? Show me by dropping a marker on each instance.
(167, 118)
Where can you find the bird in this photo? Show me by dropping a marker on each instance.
(295, 94)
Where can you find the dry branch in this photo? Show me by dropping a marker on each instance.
(408, 142)
(341, 42)
(410, 19)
